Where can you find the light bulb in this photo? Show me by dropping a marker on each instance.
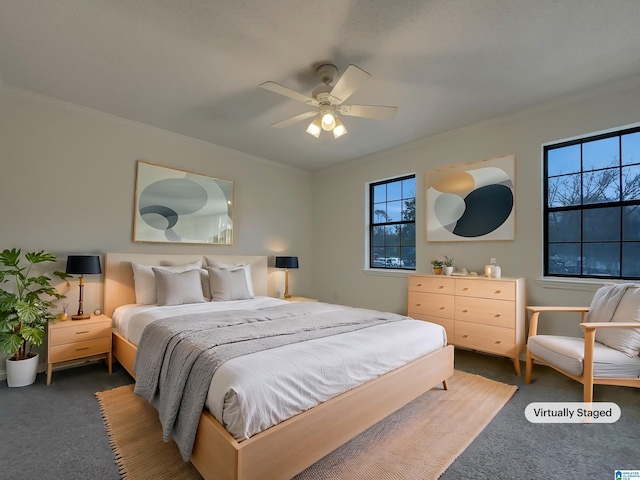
(328, 120)
(314, 128)
(339, 130)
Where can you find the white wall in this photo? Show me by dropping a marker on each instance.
(67, 183)
(339, 215)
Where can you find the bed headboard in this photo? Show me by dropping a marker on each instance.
(118, 275)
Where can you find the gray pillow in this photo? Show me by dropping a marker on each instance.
(178, 288)
(228, 284)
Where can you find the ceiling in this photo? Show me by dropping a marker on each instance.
(194, 66)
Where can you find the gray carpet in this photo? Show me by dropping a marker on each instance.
(56, 432)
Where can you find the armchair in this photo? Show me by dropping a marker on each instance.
(609, 352)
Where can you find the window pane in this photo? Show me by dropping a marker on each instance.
(409, 188)
(378, 237)
(380, 193)
(601, 153)
(601, 186)
(564, 226)
(564, 258)
(394, 211)
(631, 183)
(601, 259)
(378, 257)
(601, 225)
(380, 213)
(565, 191)
(409, 257)
(394, 191)
(631, 223)
(563, 160)
(631, 259)
(409, 212)
(631, 148)
(391, 235)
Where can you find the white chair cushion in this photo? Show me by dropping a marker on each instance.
(567, 353)
(625, 340)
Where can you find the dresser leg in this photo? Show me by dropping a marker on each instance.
(49, 368)
(516, 364)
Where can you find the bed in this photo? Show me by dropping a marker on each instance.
(285, 449)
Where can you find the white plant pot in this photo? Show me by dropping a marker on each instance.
(447, 270)
(21, 373)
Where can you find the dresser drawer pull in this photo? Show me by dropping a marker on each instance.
(497, 342)
(465, 311)
(498, 292)
(84, 331)
(419, 284)
(497, 315)
(442, 308)
(465, 289)
(82, 348)
(465, 336)
(441, 287)
(418, 304)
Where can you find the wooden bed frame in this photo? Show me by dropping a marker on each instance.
(288, 448)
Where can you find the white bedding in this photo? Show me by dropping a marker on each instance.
(251, 393)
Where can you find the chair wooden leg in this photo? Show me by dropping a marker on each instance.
(529, 368)
(445, 385)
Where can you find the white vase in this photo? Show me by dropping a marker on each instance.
(21, 373)
(447, 270)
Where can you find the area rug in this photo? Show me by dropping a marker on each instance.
(418, 442)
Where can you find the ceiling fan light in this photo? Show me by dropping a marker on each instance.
(314, 128)
(339, 129)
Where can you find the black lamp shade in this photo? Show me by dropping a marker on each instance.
(83, 264)
(286, 262)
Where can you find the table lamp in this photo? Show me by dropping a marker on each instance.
(286, 263)
(83, 265)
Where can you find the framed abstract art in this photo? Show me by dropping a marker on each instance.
(475, 201)
(176, 206)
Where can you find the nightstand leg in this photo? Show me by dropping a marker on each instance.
(110, 361)
(49, 368)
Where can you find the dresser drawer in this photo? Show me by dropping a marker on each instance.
(447, 323)
(441, 285)
(486, 338)
(71, 351)
(79, 333)
(500, 313)
(431, 304)
(492, 289)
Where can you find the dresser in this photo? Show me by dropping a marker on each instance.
(76, 339)
(478, 313)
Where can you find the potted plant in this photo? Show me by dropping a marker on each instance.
(447, 265)
(24, 312)
(436, 266)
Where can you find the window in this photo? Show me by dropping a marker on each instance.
(392, 223)
(592, 207)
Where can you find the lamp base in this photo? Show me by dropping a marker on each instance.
(85, 316)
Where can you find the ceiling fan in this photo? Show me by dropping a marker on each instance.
(328, 100)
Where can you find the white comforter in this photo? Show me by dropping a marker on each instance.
(251, 393)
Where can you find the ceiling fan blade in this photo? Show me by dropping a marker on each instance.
(369, 111)
(348, 83)
(287, 92)
(292, 120)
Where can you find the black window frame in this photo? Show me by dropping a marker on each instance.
(373, 263)
(585, 207)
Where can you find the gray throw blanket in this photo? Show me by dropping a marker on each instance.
(177, 356)
(605, 302)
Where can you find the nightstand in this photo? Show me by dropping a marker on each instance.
(75, 339)
(300, 299)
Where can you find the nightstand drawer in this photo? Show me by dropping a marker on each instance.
(486, 338)
(431, 304)
(500, 313)
(79, 333)
(440, 285)
(71, 351)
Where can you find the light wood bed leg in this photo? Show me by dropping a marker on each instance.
(445, 385)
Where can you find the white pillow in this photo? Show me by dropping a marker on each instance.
(228, 284)
(624, 340)
(206, 287)
(232, 266)
(178, 288)
(145, 281)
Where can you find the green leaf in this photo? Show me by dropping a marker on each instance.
(10, 344)
(32, 335)
(39, 257)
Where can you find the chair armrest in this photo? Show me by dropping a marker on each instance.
(594, 325)
(536, 310)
